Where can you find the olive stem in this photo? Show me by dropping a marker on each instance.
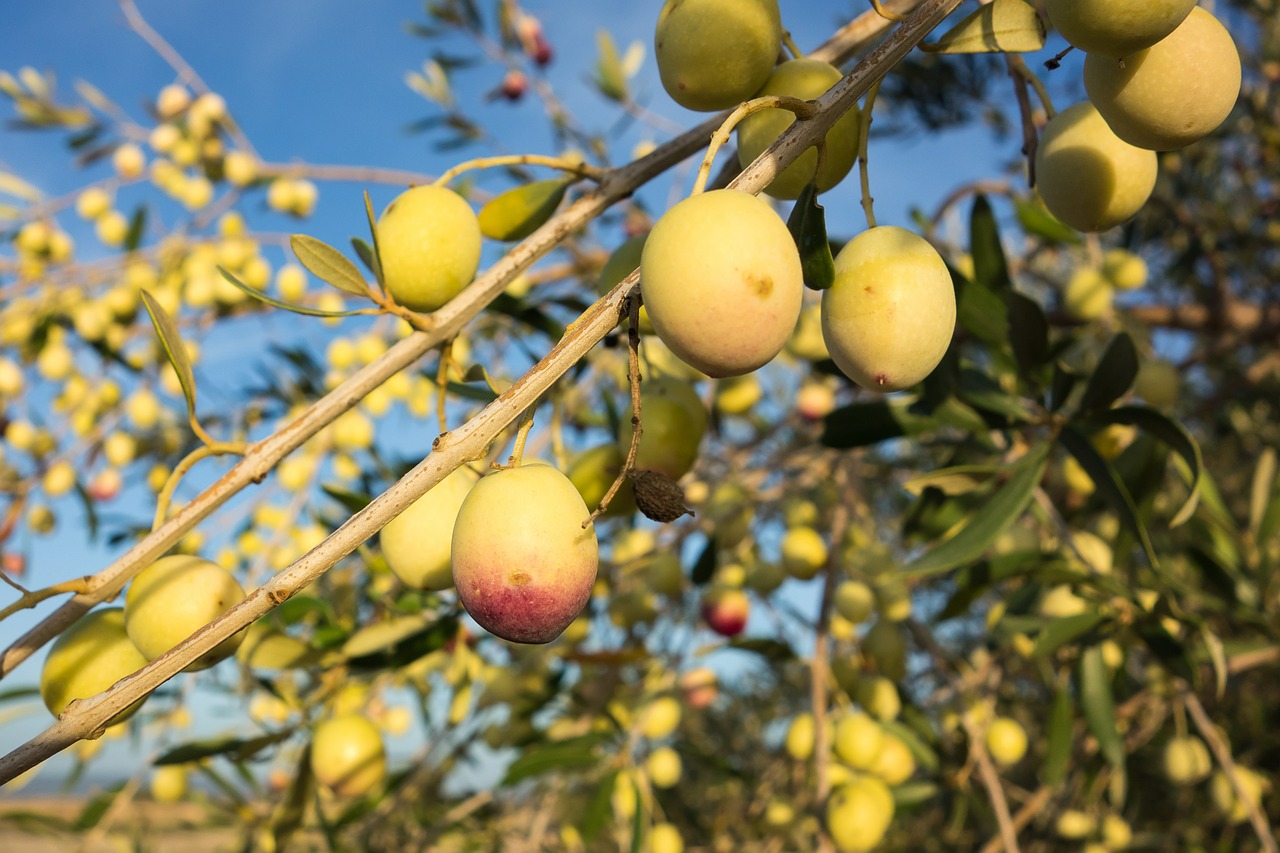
(210, 448)
(790, 44)
(564, 164)
(633, 379)
(885, 13)
(863, 173)
(802, 109)
(522, 436)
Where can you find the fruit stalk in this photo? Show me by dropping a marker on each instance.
(87, 718)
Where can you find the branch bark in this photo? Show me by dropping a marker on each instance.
(87, 718)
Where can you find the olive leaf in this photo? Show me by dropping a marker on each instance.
(519, 212)
(328, 264)
(1002, 26)
(808, 226)
(375, 262)
(288, 306)
(171, 340)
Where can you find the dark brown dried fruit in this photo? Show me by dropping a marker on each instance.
(658, 496)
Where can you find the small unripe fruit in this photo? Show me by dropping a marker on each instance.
(1223, 794)
(859, 814)
(347, 756)
(895, 764)
(172, 100)
(1088, 176)
(416, 542)
(169, 783)
(1087, 295)
(886, 645)
(726, 610)
(889, 317)
(1116, 833)
(174, 597)
(593, 472)
(800, 737)
(1074, 825)
(93, 203)
(721, 278)
(1186, 760)
(624, 260)
(522, 561)
(665, 838)
(1006, 741)
(1124, 269)
(700, 687)
(713, 54)
(673, 420)
(1174, 92)
(660, 718)
(806, 79)
(87, 658)
(879, 697)
(804, 552)
(664, 767)
(858, 740)
(129, 161)
(1159, 383)
(1116, 28)
(429, 244)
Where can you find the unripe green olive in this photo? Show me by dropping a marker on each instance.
(673, 421)
(347, 756)
(806, 79)
(720, 275)
(173, 598)
(522, 561)
(1088, 176)
(416, 542)
(1116, 28)
(713, 54)
(859, 813)
(429, 245)
(87, 658)
(889, 317)
(1174, 92)
(1006, 741)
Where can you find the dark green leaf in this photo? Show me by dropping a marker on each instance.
(19, 693)
(1113, 376)
(600, 810)
(1028, 331)
(137, 224)
(171, 340)
(863, 424)
(990, 269)
(1058, 754)
(924, 754)
(808, 226)
(238, 749)
(914, 793)
(288, 306)
(1001, 510)
(638, 820)
(1064, 381)
(1037, 221)
(1110, 487)
(289, 813)
(376, 266)
(705, 566)
(1061, 631)
(1172, 434)
(353, 502)
(554, 756)
(518, 212)
(982, 312)
(94, 810)
(770, 650)
(328, 264)
(1099, 706)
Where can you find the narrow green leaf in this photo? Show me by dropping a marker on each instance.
(353, 502)
(1173, 435)
(383, 635)
(863, 424)
(1039, 222)
(288, 306)
(599, 809)
(520, 211)
(1028, 331)
(1058, 754)
(705, 566)
(376, 266)
(637, 819)
(1218, 656)
(1113, 376)
(556, 756)
(96, 808)
(1110, 487)
(1063, 630)
(956, 480)
(914, 793)
(982, 312)
(171, 340)
(289, 813)
(610, 78)
(923, 753)
(236, 748)
(1264, 479)
(1064, 382)
(990, 268)
(1003, 508)
(137, 225)
(328, 264)
(1099, 706)
(1002, 26)
(808, 227)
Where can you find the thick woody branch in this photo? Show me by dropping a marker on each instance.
(87, 718)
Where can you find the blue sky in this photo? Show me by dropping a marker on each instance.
(323, 81)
